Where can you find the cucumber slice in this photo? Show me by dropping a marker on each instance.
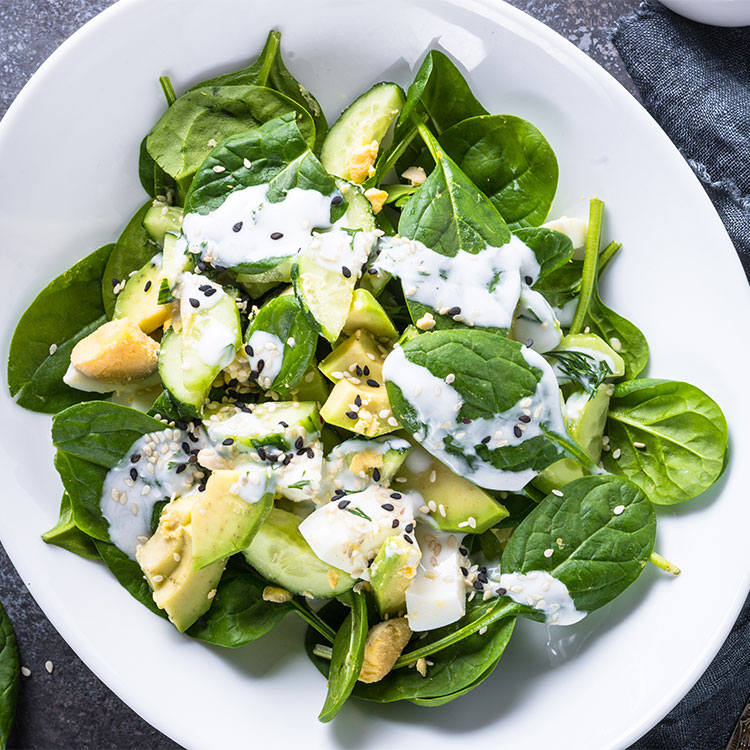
(359, 213)
(265, 425)
(175, 260)
(282, 556)
(170, 372)
(139, 300)
(157, 222)
(366, 120)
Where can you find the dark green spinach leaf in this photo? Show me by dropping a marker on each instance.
(671, 436)
(348, 653)
(67, 535)
(601, 531)
(66, 310)
(9, 673)
(510, 161)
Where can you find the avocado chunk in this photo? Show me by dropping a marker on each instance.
(585, 418)
(229, 512)
(459, 505)
(167, 562)
(160, 219)
(281, 555)
(139, 299)
(360, 408)
(391, 572)
(312, 386)
(367, 313)
(361, 351)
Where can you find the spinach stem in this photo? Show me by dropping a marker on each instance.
(665, 565)
(607, 254)
(427, 137)
(168, 89)
(573, 450)
(324, 652)
(274, 41)
(313, 620)
(590, 262)
(386, 164)
(503, 608)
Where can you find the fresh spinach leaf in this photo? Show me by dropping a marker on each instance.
(671, 436)
(189, 129)
(155, 181)
(510, 161)
(348, 653)
(9, 671)
(168, 409)
(238, 613)
(134, 247)
(83, 482)
(67, 535)
(48, 330)
(284, 318)
(553, 250)
(128, 574)
(269, 70)
(601, 533)
(491, 376)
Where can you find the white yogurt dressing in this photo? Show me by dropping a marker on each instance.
(193, 286)
(268, 350)
(341, 248)
(240, 229)
(215, 347)
(536, 321)
(339, 476)
(254, 483)
(484, 286)
(541, 590)
(161, 471)
(437, 405)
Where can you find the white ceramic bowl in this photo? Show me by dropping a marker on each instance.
(68, 181)
(714, 12)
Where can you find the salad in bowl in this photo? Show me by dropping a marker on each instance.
(360, 375)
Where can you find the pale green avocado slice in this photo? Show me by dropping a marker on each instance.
(585, 419)
(367, 313)
(359, 350)
(391, 572)
(369, 418)
(166, 559)
(282, 556)
(139, 299)
(224, 523)
(460, 506)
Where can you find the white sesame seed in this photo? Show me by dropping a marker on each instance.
(618, 510)
(52, 349)
(219, 169)
(449, 378)
(433, 476)
(616, 453)
(549, 552)
(25, 671)
(247, 163)
(49, 666)
(134, 509)
(638, 445)
(392, 421)
(557, 492)
(432, 505)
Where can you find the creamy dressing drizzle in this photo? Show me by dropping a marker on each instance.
(269, 350)
(254, 483)
(338, 475)
(438, 404)
(240, 230)
(536, 321)
(127, 504)
(485, 286)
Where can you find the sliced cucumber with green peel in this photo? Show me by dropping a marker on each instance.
(359, 213)
(368, 118)
(160, 219)
(139, 299)
(170, 372)
(282, 556)
(175, 260)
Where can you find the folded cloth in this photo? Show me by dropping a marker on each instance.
(695, 81)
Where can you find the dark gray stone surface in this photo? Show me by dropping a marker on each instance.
(71, 708)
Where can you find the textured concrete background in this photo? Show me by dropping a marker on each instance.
(70, 708)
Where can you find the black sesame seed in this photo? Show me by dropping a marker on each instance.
(201, 265)
(261, 453)
(525, 418)
(287, 459)
(376, 475)
(454, 311)
(135, 458)
(529, 343)
(245, 409)
(261, 365)
(227, 441)
(372, 271)
(501, 591)
(134, 474)
(358, 400)
(233, 382)
(302, 451)
(366, 370)
(351, 414)
(346, 272)
(180, 425)
(486, 439)
(477, 585)
(148, 286)
(465, 420)
(249, 351)
(358, 370)
(237, 227)
(409, 528)
(115, 281)
(201, 488)
(298, 443)
(180, 468)
(254, 374)
(276, 235)
(464, 572)
(193, 438)
(283, 423)
(373, 383)
(408, 539)
(482, 577)
(310, 453)
(192, 459)
(336, 200)
(210, 291)
(463, 551)
(394, 525)
(196, 451)
(194, 302)
(387, 506)
(203, 287)
(396, 495)
(344, 503)
(528, 280)
(517, 431)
